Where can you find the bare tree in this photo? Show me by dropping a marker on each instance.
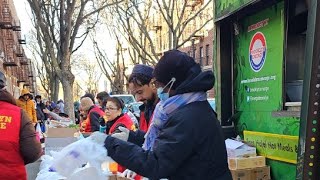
(92, 72)
(113, 70)
(64, 26)
(48, 77)
(157, 25)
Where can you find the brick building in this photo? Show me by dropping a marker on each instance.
(201, 49)
(13, 61)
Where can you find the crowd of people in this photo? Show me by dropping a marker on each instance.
(177, 135)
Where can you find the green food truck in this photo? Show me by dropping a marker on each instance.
(266, 64)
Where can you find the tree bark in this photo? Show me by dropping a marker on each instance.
(67, 84)
(55, 88)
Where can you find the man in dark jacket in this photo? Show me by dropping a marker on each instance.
(40, 107)
(185, 140)
(142, 87)
(18, 143)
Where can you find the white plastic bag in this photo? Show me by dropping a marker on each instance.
(38, 132)
(46, 162)
(76, 155)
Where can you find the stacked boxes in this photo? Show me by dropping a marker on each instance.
(244, 162)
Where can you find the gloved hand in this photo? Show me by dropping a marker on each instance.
(98, 137)
(123, 135)
(129, 174)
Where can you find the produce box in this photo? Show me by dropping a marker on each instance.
(258, 173)
(241, 174)
(58, 138)
(61, 132)
(116, 177)
(261, 173)
(245, 163)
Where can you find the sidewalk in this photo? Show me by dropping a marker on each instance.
(32, 170)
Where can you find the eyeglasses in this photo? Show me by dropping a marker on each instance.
(111, 108)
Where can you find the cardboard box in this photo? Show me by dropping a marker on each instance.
(259, 173)
(239, 149)
(116, 177)
(58, 138)
(246, 163)
(241, 174)
(61, 132)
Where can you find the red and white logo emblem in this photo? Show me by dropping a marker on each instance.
(257, 51)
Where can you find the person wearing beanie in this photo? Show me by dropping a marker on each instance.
(92, 114)
(25, 102)
(185, 139)
(18, 143)
(141, 86)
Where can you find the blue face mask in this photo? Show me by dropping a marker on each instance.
(162, 95)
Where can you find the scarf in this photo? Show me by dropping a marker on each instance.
(163, 111)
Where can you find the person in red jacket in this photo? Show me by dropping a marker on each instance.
(117, 119)
(92, 113)
(18, 143)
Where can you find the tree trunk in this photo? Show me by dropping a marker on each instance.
(54, 87)
(67, 84)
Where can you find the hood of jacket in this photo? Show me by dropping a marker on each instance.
(196, 81)
(24, 92)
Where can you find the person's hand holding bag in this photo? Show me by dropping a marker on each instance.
(98, 137)
(123, 135)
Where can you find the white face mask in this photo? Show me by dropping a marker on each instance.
(164, 96)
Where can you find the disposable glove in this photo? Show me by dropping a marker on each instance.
(98, 137)
(123, 135)
(129, 174)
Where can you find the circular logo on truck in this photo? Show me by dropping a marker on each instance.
(257, 51)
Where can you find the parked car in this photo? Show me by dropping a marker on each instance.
(126, 98)
(134, 108)
(212, 102)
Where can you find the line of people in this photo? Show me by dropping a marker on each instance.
(179, 136)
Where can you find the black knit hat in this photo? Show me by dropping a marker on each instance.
(3, 80)
(173, 63)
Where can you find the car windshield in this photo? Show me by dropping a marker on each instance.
(135, 106)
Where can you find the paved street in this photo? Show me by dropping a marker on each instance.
(32, 170)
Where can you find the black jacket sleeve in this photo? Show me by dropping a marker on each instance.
(171, 149)
(94, 121)
(136, 137)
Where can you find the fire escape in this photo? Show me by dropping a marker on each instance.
(6, 18)
(194, 3)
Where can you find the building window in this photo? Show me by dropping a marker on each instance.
(207, 54)
(201, 56)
